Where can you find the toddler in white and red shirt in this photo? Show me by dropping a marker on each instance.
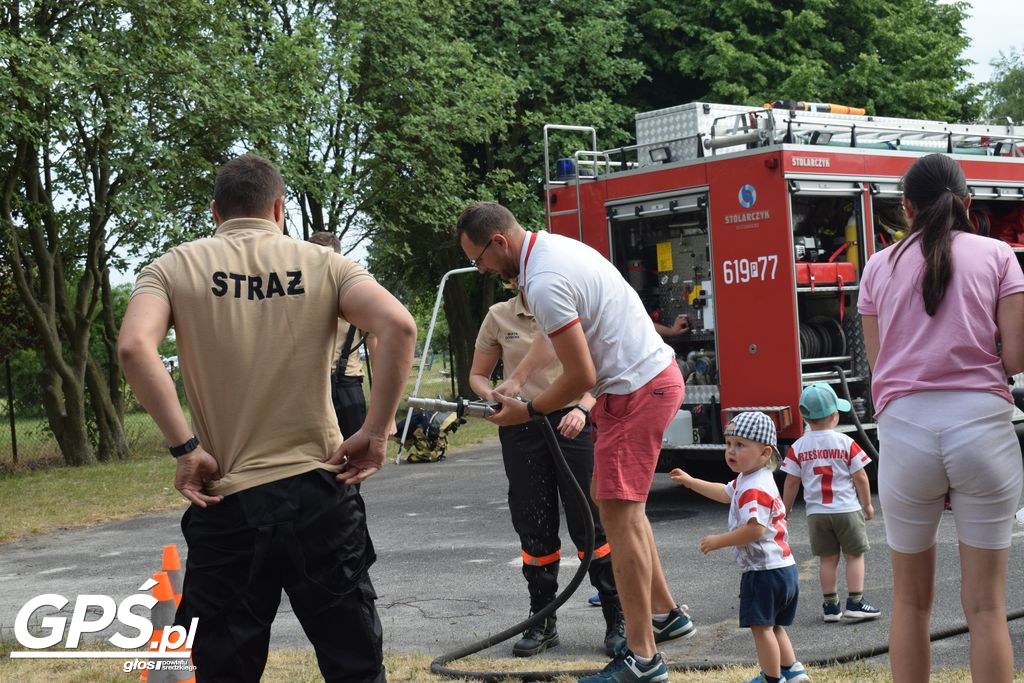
(837, 494)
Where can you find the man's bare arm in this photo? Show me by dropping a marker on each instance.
(680, 325)
(578, 372)
(371, 351)
(145, 325)
(375, 362)
(146, 321)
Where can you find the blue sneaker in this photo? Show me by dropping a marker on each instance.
(625, 669)
(759, 678)
(860, 610)
(594, 600)
(676, 625)
(795, 672)
(832, 611)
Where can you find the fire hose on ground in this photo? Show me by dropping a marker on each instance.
(461, 407)
(465, 408)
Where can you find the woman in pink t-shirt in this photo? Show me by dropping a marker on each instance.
(934, 308)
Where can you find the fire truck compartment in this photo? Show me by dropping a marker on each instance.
(756, 225)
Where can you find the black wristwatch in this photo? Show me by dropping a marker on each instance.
(185, 448)
(533, 411)
(583, 409)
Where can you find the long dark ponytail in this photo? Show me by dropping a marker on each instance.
(935, 186)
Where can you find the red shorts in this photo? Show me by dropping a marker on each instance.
(629, 432)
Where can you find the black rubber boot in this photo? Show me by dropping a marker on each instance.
(615, 625)
(536, 639)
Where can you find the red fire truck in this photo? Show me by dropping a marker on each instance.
(756, 224)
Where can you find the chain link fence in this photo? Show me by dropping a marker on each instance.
(26, 442)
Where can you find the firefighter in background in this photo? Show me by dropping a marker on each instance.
(347, 377)
(347, 368)
(681, 325)
(535, 484)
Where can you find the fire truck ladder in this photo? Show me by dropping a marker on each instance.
(601, 162)
(944, 138)
(764, 127)
(576, 173)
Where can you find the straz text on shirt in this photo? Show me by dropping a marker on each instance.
(252, 287)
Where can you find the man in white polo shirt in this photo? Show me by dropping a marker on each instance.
(607, 344)
(273, 487)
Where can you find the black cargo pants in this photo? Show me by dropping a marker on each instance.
(305, 534)
(534, 488)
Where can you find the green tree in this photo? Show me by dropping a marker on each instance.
(26, 391)
(114, 117)
(1005, 92)
(599, 64)
(459, 111)
(103, 346)
(893, 57)
(308, 62)
(426, 91)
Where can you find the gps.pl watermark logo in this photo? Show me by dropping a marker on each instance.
(96, 613)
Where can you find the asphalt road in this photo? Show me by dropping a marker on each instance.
(448, 571)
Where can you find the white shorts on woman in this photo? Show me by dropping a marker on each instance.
(960, 442)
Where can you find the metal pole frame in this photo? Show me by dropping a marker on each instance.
(547, 168)
(10, 412)
(423, 353)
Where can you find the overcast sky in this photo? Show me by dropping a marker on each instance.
(994, 26)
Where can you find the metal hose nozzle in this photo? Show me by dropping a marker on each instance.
(460, 406)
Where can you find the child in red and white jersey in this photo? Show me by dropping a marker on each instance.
(837, 493)
(758, 535)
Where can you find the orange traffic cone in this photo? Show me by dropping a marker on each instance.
(172, 566)
(162, 616)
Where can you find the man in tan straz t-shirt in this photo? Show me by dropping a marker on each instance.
(272, 486)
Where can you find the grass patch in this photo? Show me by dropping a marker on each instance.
(299, 666)
(61, 497)
(42, 494)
